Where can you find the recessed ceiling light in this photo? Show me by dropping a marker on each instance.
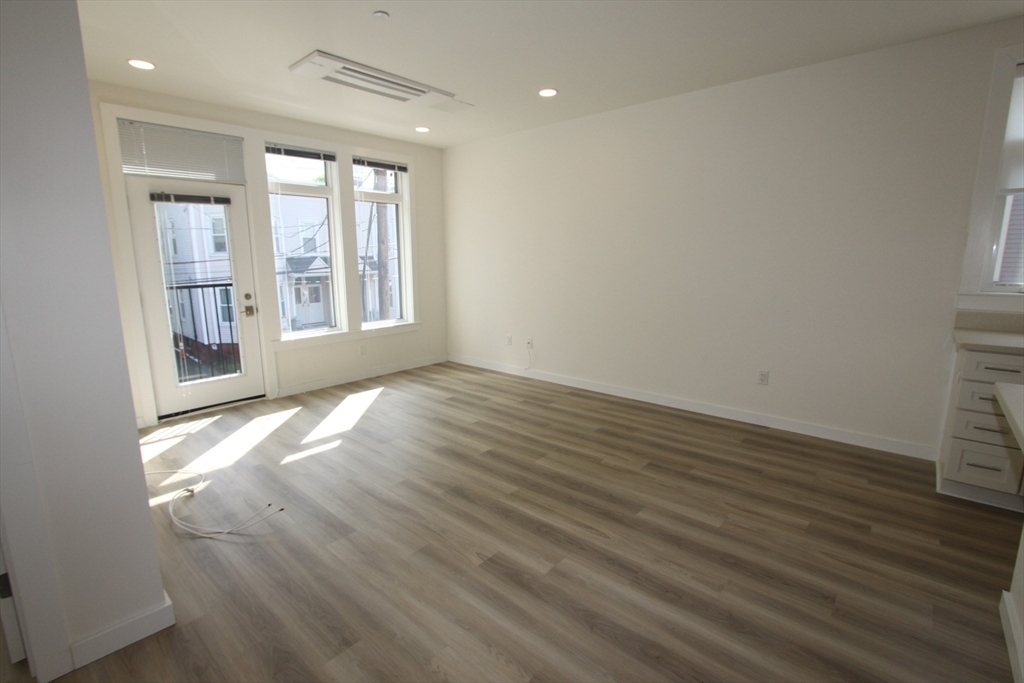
(422, 129)
(141, 64)
(548, 92)
(381, 15)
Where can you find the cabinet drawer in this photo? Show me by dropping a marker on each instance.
(979, 397)
(986, 428)
(982, 464)
(993, 367)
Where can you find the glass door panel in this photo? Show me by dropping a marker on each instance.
(198, 289)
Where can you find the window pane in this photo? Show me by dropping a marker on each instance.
(220, 236)
(302, 238)
(1010, 254)
(198, 290)
(374, 179)
(296, 170)
(379, 254)
(1011, 168)
(227, 313)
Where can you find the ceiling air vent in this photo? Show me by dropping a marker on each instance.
(341, 71)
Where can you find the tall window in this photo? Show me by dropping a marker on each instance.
(226, 305)
(220, 235)
(1008, 264)
(379, 191)
(993, 269)
(301, 207)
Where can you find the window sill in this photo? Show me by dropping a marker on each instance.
(339, 337)
(1003, 302)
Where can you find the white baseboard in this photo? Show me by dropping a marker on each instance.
(1013, 629)
(363, 374)
(914, 450)
(1007, 501)
(114, 638)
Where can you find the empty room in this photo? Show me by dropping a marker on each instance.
(511, 340)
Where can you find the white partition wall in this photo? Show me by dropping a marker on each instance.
(79, 540)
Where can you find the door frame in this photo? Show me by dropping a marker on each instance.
(122, 245)
(175, 396)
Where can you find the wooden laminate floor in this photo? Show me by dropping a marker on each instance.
(465, 525)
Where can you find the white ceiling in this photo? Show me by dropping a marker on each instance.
(600, 55)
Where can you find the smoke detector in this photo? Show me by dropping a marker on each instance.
(341, 71)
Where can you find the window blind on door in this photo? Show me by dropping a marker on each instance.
(156, 150)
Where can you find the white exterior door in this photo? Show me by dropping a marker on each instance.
(194, 264)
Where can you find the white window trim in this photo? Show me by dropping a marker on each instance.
(323, 337)
(400, 198)
(978, 265)
(336, 234)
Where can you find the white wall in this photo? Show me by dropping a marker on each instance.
(303, 365)
(810, 222)
(69, 430)
(1011, 609)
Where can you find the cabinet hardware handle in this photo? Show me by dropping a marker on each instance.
(985, 467)
(994, 430)
(991, 368)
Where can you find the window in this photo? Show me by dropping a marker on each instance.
(172, 236)
(1008, 269)
(302, 197)
(226, 305)
(379, 208)
(220, 235)
(994, 259)
(278, 239)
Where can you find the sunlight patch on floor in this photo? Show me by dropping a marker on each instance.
(165, 438)
(312, 451)
(233, 448)
(155, 448)
(183, 429)
(345, 416)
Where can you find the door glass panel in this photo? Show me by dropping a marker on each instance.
(199, 289)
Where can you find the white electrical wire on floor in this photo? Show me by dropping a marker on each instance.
(529, 351)
(205, 532)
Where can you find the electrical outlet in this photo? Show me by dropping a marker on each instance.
(529, 342)
(762, 377)
(508, 340)
(362, 349)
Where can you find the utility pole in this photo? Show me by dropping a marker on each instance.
(380, 184)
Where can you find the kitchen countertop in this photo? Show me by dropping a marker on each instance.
(1011, 398)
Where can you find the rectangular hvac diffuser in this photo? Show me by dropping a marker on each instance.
(341, 71)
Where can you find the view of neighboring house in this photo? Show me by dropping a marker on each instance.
(200, 296)
(301, 220)
(302, 261)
